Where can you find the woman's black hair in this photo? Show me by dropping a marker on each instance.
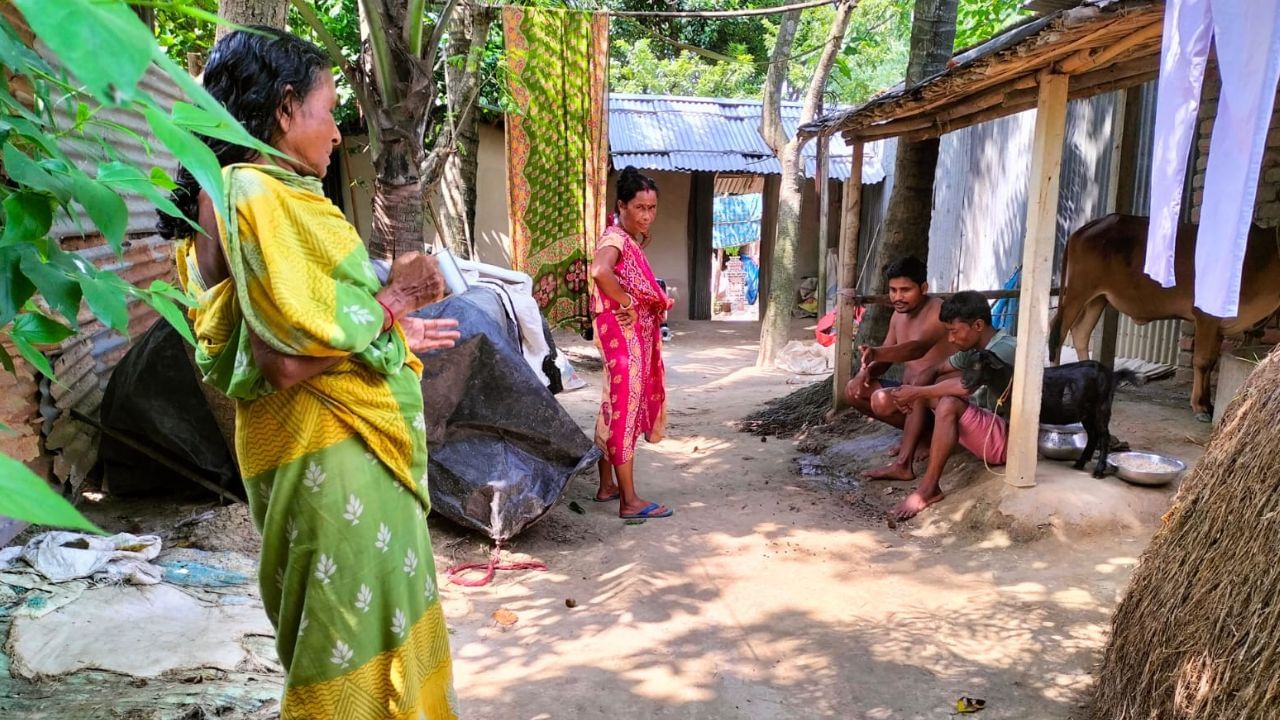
(252, 73)
(632, 182)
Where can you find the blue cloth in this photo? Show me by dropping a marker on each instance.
(1004, 314)
(753, 278)
(736, 220)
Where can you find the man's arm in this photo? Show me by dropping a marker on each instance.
(947, 382)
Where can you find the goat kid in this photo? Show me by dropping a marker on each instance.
(1079, 392)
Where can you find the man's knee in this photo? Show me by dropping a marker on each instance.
(882, 403)
(950, 408)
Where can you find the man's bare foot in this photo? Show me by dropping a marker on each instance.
(891, 472)
(922, 453)
(912, 504)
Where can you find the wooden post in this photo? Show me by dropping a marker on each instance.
(1037, 278)
(850, 216)
(1125, 127)
(824, 145)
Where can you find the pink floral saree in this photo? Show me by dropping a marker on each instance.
(635, 396)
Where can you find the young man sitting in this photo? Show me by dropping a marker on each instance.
(916, 338)
(976, 421)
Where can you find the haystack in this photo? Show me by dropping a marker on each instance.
(1198, 635)
(791, 414)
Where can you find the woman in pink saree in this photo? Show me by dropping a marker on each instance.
(628, 304)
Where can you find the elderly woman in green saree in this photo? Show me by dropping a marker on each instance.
(293, 324)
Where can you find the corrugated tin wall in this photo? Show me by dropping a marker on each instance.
(84, 362)
(980, 202)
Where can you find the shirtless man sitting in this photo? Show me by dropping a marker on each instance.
(977, 421)
(916, 338)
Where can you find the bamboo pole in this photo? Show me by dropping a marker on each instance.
(824, 212)
(850, 218)
(1037, 277)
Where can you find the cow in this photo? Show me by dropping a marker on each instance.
(1103, 265)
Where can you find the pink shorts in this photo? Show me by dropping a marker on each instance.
(984, 434)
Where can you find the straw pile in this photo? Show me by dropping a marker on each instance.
(1198, 634)
(792, 414)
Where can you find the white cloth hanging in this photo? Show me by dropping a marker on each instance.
(1248, 49)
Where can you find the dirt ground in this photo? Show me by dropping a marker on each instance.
(770, 594)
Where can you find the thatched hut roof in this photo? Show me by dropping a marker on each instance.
(1103, 45)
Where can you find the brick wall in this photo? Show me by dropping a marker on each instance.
(1267, 206)
(1266, 210)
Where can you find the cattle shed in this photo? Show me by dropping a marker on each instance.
(1077, 52)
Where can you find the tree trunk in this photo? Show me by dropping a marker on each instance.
(467, 38)
(776, 327)
(398, 213)
(252, 12)
(933, 36)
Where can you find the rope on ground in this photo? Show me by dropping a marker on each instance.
(456, 573)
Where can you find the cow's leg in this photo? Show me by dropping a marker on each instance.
(1204, 358)
(1082, 331)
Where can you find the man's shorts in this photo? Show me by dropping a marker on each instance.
(985, 434)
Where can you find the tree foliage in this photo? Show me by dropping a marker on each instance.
(103, 50)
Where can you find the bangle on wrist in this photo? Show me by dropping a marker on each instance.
(631, 303)
(391, 317)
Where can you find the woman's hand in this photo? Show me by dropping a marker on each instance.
(425, 335)
(626, 313)
(415, 281)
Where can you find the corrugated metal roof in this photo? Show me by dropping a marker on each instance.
(688, 134)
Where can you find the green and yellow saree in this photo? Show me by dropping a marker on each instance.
(335, 466)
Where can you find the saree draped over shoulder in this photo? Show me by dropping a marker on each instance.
(635, 396)
(335, 467)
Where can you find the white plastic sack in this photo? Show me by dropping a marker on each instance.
(568, 376)
(806, 358)
(63, 556)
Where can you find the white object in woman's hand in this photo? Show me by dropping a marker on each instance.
(425, 334)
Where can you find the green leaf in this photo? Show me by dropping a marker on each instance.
(15, 288)
(6, 361)
(105, 208)
(38, 329)
(104, 44)
(107, 300)
(25, 171)
(161, 179)
(130, 179)
(60, 291)
(172, 313)
(205, 102)
(33, 356)
(26, 496)
(196, 157)
(27, 218)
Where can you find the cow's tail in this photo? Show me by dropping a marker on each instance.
(1055, 325)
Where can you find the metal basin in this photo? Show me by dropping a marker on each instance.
(1062, 442)
(1146, 468)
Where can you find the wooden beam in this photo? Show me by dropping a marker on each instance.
(883, 298)
(1119, 71)
(850, 220)
(1094, 58)
(1037, 277)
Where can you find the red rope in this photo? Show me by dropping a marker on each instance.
(455, 573)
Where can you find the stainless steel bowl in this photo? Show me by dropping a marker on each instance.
(1062, 442)
(1146, 468)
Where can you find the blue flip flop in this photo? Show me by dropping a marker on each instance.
(648, 512)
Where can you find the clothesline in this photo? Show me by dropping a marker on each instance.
(749, 12)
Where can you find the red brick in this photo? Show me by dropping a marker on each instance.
(1272, 175)
(1268, 211)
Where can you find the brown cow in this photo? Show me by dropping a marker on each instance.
(1103, 264)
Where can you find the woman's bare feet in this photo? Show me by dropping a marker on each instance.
(912, 504)
(894, 471)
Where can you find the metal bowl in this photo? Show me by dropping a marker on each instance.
(1146, 468)
(1062, 442)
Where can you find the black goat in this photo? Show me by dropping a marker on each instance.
(1080, 392)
